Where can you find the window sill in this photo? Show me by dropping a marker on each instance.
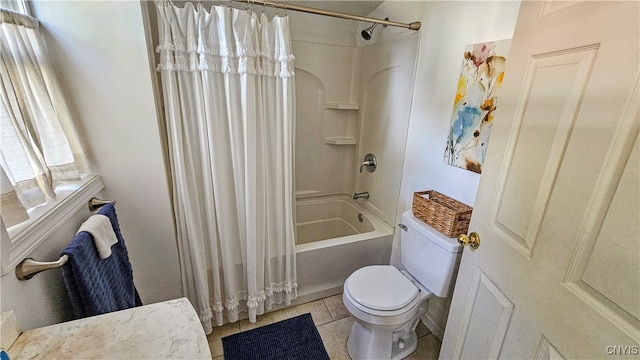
(25, 237)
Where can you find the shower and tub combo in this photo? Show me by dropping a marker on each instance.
(351, 127)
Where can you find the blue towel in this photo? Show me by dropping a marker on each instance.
(98, 286)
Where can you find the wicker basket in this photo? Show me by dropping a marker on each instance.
(441, 212)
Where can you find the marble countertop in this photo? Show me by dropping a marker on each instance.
(166, 330)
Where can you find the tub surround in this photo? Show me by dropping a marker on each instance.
(351, 101)
(166, 330)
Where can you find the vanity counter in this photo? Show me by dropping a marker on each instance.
(166, 330)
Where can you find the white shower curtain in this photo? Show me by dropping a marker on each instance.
(227, 79)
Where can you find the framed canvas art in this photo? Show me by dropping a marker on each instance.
(475, 101)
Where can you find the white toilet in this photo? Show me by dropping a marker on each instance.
(387, 304)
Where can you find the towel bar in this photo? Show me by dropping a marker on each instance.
(95, 203)
(29, 267)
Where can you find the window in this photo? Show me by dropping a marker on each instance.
(19, 6)
(43, 166)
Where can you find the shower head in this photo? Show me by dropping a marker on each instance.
(366, 33)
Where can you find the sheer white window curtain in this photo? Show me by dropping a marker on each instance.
(227, 79)
(39, 145)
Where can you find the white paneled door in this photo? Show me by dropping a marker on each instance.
(557, 273)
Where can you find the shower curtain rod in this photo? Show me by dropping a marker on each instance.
(411, 26)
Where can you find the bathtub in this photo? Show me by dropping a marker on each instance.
(334, 237)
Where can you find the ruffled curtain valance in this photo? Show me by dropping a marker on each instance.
(223, 40)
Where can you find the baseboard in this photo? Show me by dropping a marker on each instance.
(316, 295)
(433, 326)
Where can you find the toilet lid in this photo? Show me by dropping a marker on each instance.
(381, 287)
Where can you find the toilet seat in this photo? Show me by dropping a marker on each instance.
(381, 287)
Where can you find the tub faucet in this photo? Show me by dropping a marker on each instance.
(362, 195)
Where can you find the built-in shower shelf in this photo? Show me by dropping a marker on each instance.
(338, 140)
(342, 106)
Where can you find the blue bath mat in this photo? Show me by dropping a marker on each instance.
(292, 339)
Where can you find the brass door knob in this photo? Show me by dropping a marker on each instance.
(472, 240)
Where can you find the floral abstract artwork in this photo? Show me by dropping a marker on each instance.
(475, 102)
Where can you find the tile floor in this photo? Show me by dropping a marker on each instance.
(333, 323)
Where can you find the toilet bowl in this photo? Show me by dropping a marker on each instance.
(387, 303)
(386, 314)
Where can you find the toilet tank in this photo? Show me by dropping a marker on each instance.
(430, 257)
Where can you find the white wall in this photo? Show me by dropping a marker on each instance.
(101, 58)
(99, 53)
(447, 27)
(43, 300)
